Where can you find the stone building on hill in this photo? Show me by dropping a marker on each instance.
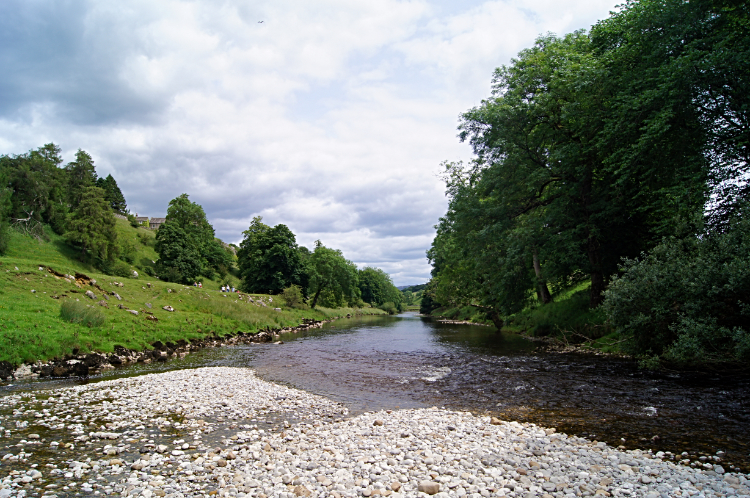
(155, 223)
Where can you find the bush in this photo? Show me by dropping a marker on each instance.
(132, 221)
(146, 238)
(293, 296)
(81, 313)
(170, 274)
(688, 300)
(389, 308)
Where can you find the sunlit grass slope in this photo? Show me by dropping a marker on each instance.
(31, 326)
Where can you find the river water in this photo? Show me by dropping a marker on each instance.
(372, 363)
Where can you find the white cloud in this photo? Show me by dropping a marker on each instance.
(331, 117)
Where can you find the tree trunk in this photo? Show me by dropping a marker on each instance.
(494, 315)
(597, 277)
(542, 290)
(315, 298)
(497, 320)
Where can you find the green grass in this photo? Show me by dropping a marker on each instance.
(31, 326)
(568, 316)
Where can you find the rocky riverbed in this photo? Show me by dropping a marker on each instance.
(222, 431)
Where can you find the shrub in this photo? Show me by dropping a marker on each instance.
(170, 274)
(146, 238)
(293, 296)
(687, 300)
(389, 308)
(132, 221)
(81, 313)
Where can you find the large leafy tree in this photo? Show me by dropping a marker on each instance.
(92, 225)
(191, 220)
(376, 288)
(38, 186)
(679, 70)
(332, 276)
(178, 259)
(269, 259)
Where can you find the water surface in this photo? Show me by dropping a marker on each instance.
(372, 363)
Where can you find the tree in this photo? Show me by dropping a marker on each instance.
(39, 187)
(92, 225)
(178, 259)
(269, 259)
(114, 194)
(190, 218)
(5, 205)
(81, 175)
(331, 273)
(376, 288)
(560, 187)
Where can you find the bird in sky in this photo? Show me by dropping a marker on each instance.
(260, 22)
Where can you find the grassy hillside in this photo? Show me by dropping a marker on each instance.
(33, 289)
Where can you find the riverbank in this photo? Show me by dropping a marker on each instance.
(169, 434)
(131, 313)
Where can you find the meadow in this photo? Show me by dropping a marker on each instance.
(33, 289)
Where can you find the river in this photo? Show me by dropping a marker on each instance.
(372, 363)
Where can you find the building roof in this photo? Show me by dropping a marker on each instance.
(158, 220)
(141, 218)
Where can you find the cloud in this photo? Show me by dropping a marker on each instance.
(331, 117)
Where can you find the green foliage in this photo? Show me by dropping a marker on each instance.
(293, 297)
(147, 238)
(191, 218)
(92, 225)
(81, 313)
(179, 260)
(688, 299)
(81, 176)
(31, 328)
(376, 288)
(588, 151)
(5, 206)
(38, 187)
(114, 196)
(132, 220)
(269, 259)
(332, 277)
(188, 234)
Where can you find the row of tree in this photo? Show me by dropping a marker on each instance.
(270, 260)
(76, 203)
(36, 190)
(594, 147)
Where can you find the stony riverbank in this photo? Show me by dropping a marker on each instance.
(222, 431)
(83, 365)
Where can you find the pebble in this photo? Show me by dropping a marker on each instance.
(312, 448)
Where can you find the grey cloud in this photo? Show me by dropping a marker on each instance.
(53, 55)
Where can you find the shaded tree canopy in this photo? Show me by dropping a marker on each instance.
(114, 194)
(376, 288)
(592, 148)
(178, 259)
(92, 225)
(332, 276)
(81, 175)
(269, 259)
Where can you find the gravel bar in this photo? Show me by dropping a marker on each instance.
(224, 432)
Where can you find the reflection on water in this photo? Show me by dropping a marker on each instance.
(371, 363)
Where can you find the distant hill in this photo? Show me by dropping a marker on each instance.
(412, 288)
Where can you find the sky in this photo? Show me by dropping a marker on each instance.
(332, 117)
